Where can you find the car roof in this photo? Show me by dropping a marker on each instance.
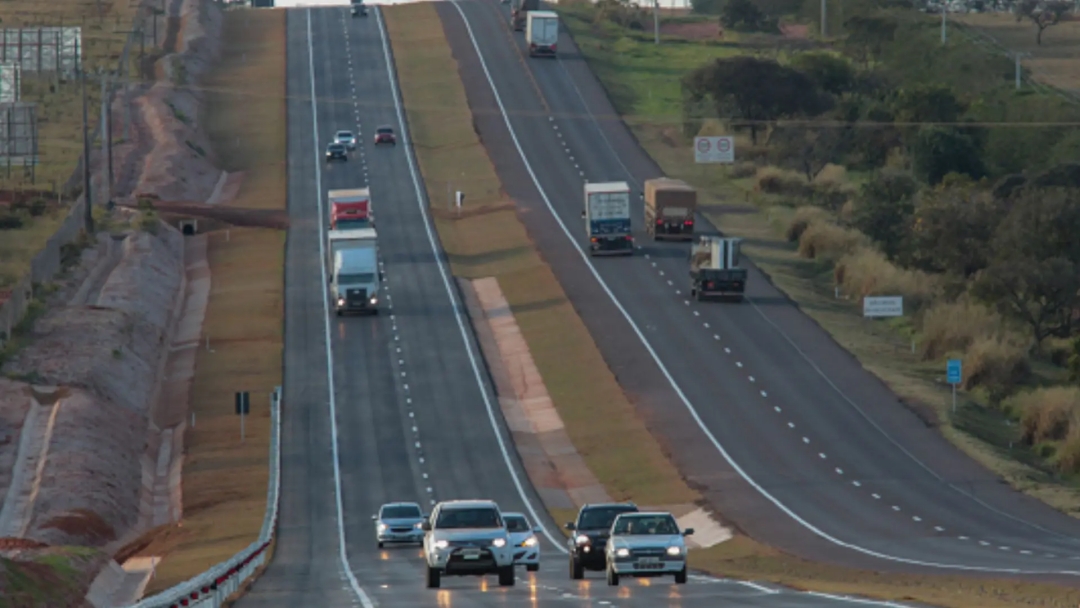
(646, 514)
(384, 127)
(512, 514)
(344, 132)
(467, 504)
(401, 504)
(609, 505)
(334, 145)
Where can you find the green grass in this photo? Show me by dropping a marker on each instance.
(57, 576)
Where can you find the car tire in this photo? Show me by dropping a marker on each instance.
(433, 576)
(680, 576)
(506, 576)
(612, 576)
(532, 567)
(338, 313)
(577, 570)
(380, 545)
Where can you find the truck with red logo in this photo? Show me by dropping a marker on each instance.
(350, 209)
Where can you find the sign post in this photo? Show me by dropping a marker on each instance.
(714, 149)
(243, 408)
(954, 371)
(459, 200)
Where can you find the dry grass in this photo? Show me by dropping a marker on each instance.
(998, 363)
(772, 180)
(1047, 414)
(824, 240)
(490, 241)
(1055, 62)
(865, 271)
(224, 480)
(951, 327)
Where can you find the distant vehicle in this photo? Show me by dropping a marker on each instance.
(519, 9)
(336, 151)
(646, 545)
(523, 540)
(385, 135)
(590, 535)
(607, 218)
(399, 522)
(542, 33)
(669, 209)
(345, 138)
(354, 270)
(358, 9)
(714, 269)
(350, 209)
(467, 537)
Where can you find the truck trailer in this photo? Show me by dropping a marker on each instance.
(519, 9)
(669, 209)
(542, 33)
(714, 269)
(355, 279)
(350, 209)
(607, 218)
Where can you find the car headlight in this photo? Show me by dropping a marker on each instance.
(441, 544)
(340, 300)
(418, 525)
(499, 543)
(382, 527)
(674, 550)
(374, 300)
(624, 552)
(529, 542)
(582, 539)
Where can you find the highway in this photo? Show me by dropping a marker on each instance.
(396, 406)
(785, 431)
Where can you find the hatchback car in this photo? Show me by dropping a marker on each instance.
(399, 522)
(345, 138)
(336, 151)
(646, 545)
(385, 135)
(523, 540)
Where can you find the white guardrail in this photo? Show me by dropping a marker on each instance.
(211, 588)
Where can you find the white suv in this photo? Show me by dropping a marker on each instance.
(467, 537)
(646, 544)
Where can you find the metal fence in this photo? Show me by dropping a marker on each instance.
(213, 587)
(10, 82)
(18, 135)
(43, 49)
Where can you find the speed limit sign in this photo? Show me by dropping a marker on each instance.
(714, 149)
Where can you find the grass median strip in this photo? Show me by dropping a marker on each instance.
(224, 480)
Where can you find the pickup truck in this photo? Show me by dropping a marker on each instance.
(467, 538)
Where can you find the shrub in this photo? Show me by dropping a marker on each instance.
(865, 271)
(830, 195)
(1067, 456)
(743, 170)
(10, 221)
(996, 363)
(832, 174)
(825, 240)
(953, 326)
(802, 219)
(772, 180)
(1046, 414)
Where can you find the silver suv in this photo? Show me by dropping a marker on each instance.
(467, 537)
(646, 544)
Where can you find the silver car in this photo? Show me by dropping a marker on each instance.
(467, 538)
(523, 540)
(346, 138)
(399, 522)
(646, 545)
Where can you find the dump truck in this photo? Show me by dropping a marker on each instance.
(519, 9)
(542, 33)
(354, 275)
(669, 209)
(350, 209)
(607, 218)
(714, 269)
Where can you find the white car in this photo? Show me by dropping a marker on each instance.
(399, 522)
(523, 540)
(467, 537)
(345, 138)
(646, 544)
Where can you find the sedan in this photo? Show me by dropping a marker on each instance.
(336, 151)
(399, 522)
(346, 138)
(385, 135)
(646, 545)
(523, 540)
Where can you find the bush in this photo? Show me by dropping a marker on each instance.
(998, 364)
(825, 240)
(831, 195)
(801, 220)
(865, 271)
(954, 326)
(1046, 414)
(773, 180)
(1067, 456)
(743, 170)
(10, 221)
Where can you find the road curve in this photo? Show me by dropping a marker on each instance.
(784, 430)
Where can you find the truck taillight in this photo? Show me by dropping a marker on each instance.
(532, 45)
(659, 221)
(709, 285)
(552, 48)
(594, 239)
(689, 222)
(629, 238)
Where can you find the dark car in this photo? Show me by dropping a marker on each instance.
(359, 10)
(336, 151)
(590, 535)
(385, 135)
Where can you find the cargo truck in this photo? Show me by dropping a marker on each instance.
(353, 260)
(714, 269)
(669, 209)
(607, 218)
(518, 11)
(542, 33)
(350, 209)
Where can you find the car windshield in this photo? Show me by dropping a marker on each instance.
(336, 147)
(479, 517)
(384, 130)
(401, 512)
(517, 524)
(359, 278)
(646, 524)
(600, 518)
(344, 135)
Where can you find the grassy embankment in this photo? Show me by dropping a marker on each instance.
(224, 487)
(489, 240)
(59, 111)
(644, 82)
(53, 577)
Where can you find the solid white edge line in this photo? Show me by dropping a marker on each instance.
(671, 380)
(441, 264)
(342, 555)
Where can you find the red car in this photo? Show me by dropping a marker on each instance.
(385, 135)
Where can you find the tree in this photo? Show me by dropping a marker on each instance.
(927, 103)
(885, 208)
(755, 91)
(940, 151)
(805, 149)
(745, 16)
(1042, 294)
(952, 229)
(1042, 223)
(830, 73)
(868, 35)
(1043, 13)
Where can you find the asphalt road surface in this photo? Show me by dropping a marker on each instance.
(396, 407)
(784, 430)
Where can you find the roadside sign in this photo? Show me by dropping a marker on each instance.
(714, 149)
(243, 403)
(954, 369)
(888, 306)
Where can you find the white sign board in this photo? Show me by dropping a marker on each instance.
(889, 306)
(609, 206)
(715, 149)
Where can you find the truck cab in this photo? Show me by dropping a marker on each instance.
(355, 281)
(714, 269)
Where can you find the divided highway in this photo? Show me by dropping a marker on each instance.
(786, 432)
(396, 407)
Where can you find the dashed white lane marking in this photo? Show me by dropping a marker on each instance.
(939, 529)
(821, 455)
(857, 483)
(984, 543)
(791, 425)
(806, 440)
(777, 408)
(764, 394)
(839, 471)
(876, 496)
(963, 538)
(916, 518)
(895, 508)
(738, 364)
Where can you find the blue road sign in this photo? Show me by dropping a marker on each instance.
(955, 371)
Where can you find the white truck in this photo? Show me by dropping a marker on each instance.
(715, 270)
(353, 259)
(542, 33)
(607, 218)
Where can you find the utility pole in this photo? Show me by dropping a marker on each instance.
(1019, 70)
(89, 224)
(106, 137)
(656, 21)
(944, 12)
(824, 21)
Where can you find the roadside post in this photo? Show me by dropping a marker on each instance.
(459, 200)
(954, 371)
(243, 408)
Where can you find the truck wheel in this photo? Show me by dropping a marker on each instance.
(506, 576)
(532, 567)
(338, 312)
(612, 576)
(693, 292)
(680, 576)
(380, 545)
(577, 570)
(433, 578)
